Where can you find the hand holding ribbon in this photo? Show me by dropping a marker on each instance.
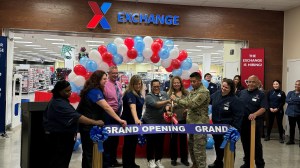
(99, 135)
(172, 117)
(231, 135)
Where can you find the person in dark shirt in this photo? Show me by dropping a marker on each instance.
(238, 84)
(60, 125)
(133, 103)
(226, 109)
(211, 86)
(293, 111)
(167, 83)
(276, 100)
(255, 106)
(93, 105)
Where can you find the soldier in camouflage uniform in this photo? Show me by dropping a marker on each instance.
(197, 104)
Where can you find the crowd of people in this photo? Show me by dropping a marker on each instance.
(103, 103)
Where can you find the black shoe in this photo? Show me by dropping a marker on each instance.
(116, 164)
(267, 138)
(215, 165)
(173, 163)
(281, 140)
(186, 163)
(245, 166)
(136, 166)
(290, 142)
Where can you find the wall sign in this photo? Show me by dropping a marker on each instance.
(3, 58)
(252, 63)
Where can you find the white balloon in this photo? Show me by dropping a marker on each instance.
(174, 53)
(103, 66)
(118, 41)
(79, 80)
(72, 76)
(195, 68)
(122, 49)
(95, 56)
(166, 63)
(148, 41)
(185, 74)
(126, 59)
(147, 53)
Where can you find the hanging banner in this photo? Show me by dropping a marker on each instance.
(252, 63)
(3, 58)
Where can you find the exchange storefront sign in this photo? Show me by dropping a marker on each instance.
(252, 63)
(127, 17)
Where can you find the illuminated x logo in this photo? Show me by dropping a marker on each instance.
(99, 16)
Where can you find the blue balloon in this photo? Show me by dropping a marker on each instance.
(83, 61)
(209, 109)
(118, 59)
(177, 72)
(139, 45)
(205, 83)
(164, 53)
(91, 66)
(79, 88)
(112, 48)
(137, 38)
(139, 59)
(210, 143)
(186, 64)
(74, 88)
(169, 44)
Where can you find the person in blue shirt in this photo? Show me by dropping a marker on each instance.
(276, 100)
(226, 109)
(60, 124)
(212, 87)
(255, 105)
(293, 111)
(133, 103)
(93, 105)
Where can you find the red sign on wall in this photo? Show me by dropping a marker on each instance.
(252, 63)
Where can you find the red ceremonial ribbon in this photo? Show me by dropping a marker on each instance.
(170, 118)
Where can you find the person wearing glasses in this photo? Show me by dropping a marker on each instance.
(113, 96)
(255, 105)
(156, 102)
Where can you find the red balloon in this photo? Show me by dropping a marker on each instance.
(169, 69)
(200, 73)
(129, 42)
(107, 57)
(80, 70)
(160, 41)
(102, 49)
(110, 64)
(182, 55)
(186, 83)
(155, 47)
(74, 98)
(175, 63)
(155, 58)
(88, 75)
(132, 53)
(52, 68)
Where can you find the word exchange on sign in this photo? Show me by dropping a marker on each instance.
(116, 130)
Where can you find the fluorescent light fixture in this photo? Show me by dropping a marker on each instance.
(50, 52)
(193, 50)
(189, 52)
(15, 47)
(40, 48)
(144, 63)
(200, 55)
(23, 42)
(130, 63)
(33, 53)
(49, 39)
(90, 41)
(18, 38)
(60, 43)
(25, 51)
(93, 45)
(214, 53)
(176, 45)
(220, 50)
(44, 50)
(205, 47)
(32, 45)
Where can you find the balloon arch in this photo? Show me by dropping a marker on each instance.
(137, 48)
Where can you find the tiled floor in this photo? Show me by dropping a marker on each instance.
(276, 155)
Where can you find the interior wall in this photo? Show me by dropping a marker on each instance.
(291, 41)
(263, 29)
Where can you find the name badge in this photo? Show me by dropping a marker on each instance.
(254, 99)
(279, 95)
(226, 108)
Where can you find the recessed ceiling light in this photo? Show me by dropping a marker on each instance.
(32, 45)
(89, 41)
(49, 39)
(205, 46)
(24, 42)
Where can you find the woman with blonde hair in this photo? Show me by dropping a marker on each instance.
(177, 89)
(133, 102)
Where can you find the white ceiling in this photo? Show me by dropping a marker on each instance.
(36, 47)
(277, 5)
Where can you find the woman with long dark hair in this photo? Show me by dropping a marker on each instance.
(237, 84)
(93, 105)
